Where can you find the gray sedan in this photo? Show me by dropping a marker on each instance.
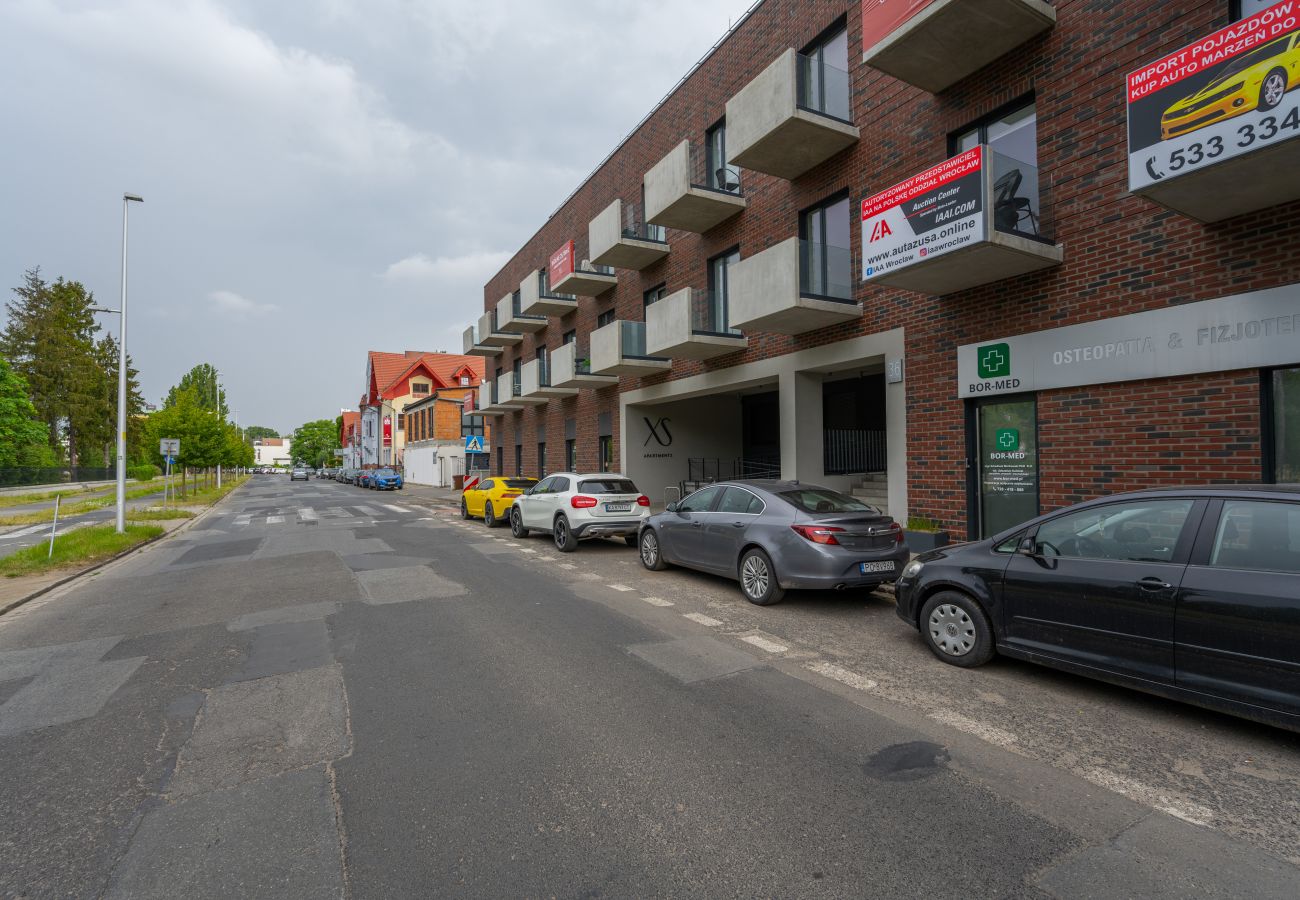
(775, 535)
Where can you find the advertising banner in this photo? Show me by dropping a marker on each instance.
(880, 18)
(1222, 97)
(562, 264)
(388, 431)
(935, 212)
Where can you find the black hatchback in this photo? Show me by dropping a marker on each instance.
(1188, 593)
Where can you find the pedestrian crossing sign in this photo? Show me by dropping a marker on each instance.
(473, 443)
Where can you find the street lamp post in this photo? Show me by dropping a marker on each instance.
(121, 381)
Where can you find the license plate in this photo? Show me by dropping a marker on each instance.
(618, 507)
(868, 567)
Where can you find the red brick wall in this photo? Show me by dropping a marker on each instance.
(1122, 253)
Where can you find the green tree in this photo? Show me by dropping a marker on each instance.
(96, 420)
(254, 432)
(205, 381)
(314, 443)
(24, 439)
(201, 433)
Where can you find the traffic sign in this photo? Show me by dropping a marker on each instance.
(474, 443)
(169, 447)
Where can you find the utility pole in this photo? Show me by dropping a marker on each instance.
(127, 199)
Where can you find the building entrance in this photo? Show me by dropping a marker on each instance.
(760, 445)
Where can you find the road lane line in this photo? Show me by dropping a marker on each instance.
(843, 676)
(569, 566)
(366, 510)
(397, 509)
(1142, 793)
(990, 733)
(702, 619)
(274, 520)
(307, 514)
(620, 587)
(243, 520)
(763, 643)
(657, 601)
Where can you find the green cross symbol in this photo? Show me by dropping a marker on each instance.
(1008, 438)
(994, 361)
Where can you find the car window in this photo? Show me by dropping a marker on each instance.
(559, 484)
(520, 483)
(1258, 534)
(700, 501)
(739, 500)
(1010, 544)
(1140, 530)
(485, 486)
(544, 486)
(815, 499)
(607, 486)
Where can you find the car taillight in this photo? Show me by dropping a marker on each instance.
(898, 532)
(508, 494)
(643, 500)
(579, 501)
(818, 534)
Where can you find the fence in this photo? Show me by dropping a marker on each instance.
(849, 451)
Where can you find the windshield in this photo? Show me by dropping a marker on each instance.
(607, 486)
(823, 500)
(385, 473)
(1254, 58)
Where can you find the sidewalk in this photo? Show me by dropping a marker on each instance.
(427, 495)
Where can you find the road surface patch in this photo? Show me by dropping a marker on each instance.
(694, 659)
(406, 584)
(301, 612)
(69, 683)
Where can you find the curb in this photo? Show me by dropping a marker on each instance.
(189, 523)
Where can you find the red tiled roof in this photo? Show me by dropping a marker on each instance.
(391, 368)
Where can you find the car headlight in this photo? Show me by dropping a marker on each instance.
(912, 569)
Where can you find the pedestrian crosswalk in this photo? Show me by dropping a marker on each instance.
(306, 514)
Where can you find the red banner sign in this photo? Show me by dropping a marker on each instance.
(562, 264)
(388, 431)
(880, 18)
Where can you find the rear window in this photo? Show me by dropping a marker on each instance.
(385, 472)
(823, 500)
(520, 483)
(607, 486)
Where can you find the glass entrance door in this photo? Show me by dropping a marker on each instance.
(1006, 459)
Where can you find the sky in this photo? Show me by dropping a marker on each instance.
(320, 177)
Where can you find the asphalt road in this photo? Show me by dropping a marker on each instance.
(321, 691)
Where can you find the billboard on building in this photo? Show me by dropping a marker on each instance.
(1224, 96)
(880, 18)
(388, 431)
(561, 264)
(935, 212)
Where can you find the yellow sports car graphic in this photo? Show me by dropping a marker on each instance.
(1258, 79)
(491, 498)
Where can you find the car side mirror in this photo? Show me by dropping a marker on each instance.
(1028, 547)
(671, 507)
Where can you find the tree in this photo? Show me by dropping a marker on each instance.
(254, 432)
(201, 433)
(24, 438)
(50, 341)
(314, 443)
(96, 419)
(205, 381)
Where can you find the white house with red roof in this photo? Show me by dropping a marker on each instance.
(392, 381)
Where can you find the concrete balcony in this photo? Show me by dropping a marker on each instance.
(619, 349)
(690, 324)
(535, 383)
(791, 288)
(677, 195)
(587, 280)
(535, 300)
(511, 317)
(571, 368)
(492, 336)
(486, 396)
(974, 219)
(507, 392)
(472, 346)
(936, 44)
(792, 117)
(619, 237)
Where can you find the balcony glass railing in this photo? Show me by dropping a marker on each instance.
(636, 228)
(825, 271)
(632, 341)
(544, 289)
(543, 372)
(581, 361)
(709, 313)
(823, 87)
(711, 174)
(1017, 199)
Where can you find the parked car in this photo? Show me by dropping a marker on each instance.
(385, 480)
(574, 507)
(299, 473)
(363, 477)
(491, 499)
(774, 535)
(1257, 79)
(1192, 594)
(348, 476)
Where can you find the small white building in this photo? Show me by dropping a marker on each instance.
(272, 451)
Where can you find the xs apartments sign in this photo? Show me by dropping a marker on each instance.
(1245, 331)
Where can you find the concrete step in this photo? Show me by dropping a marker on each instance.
(865, 492)
(874, 478)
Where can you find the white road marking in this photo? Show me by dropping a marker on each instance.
(657, 601)
(620, 587)
(307, 514)
(397, 509)
(993, 735)
(243, 520)
(1136, 790)
(337, 512)
(274, 520)
(763, 643)
(703, 619)
(843, 676)
(526, 550)
(367, 511)
(26, 531)
(569, 566)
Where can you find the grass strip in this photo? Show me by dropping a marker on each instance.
(156, 514)
(81, 547)
(7, 500)
(68, 510)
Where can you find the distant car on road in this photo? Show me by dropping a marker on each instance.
(1192, 594)
(772, 535)
(575, 507)
(385, 480)
(299, 473)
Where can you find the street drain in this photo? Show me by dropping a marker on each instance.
(912, 761)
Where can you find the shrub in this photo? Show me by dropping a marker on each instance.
(144, 472)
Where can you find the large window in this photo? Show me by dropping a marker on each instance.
(1283, 452)
(654, 295)
(543, 366)
(570, 337)
(824, 74)
(519, 459)
(605, 451)
(472, 425)
(541, 458)
(517, 367)
(1012, 139)
(605, 318)
(720, 176)
(712, 316)
(571, 455)
(825, 260)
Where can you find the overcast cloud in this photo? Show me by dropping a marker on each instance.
(321, 177)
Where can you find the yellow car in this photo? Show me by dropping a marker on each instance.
(1255, 80)
(491, 499)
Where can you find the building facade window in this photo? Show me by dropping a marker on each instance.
(823, 80)
(571, 455)
(654, 295)
(605, 318)
(605, 453)
(419, 387)
(401, 421)
(543, 366)
(472, 425)
(541, 459)
(570, 336)
(1012, 139)
(517, 368)
(712, 315)
(519, 459)
(719, 175)
(1283, 438)
(825, 257)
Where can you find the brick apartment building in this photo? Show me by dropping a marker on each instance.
(974, 259)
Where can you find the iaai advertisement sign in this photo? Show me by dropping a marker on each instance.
(1227, 95)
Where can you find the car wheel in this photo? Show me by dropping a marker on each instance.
(758, 578)
(489, 515)
(957, 630)
(1272, 90)
(517, 524)
(565, 542)
(651, 558)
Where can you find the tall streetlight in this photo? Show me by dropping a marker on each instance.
(121, 381)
